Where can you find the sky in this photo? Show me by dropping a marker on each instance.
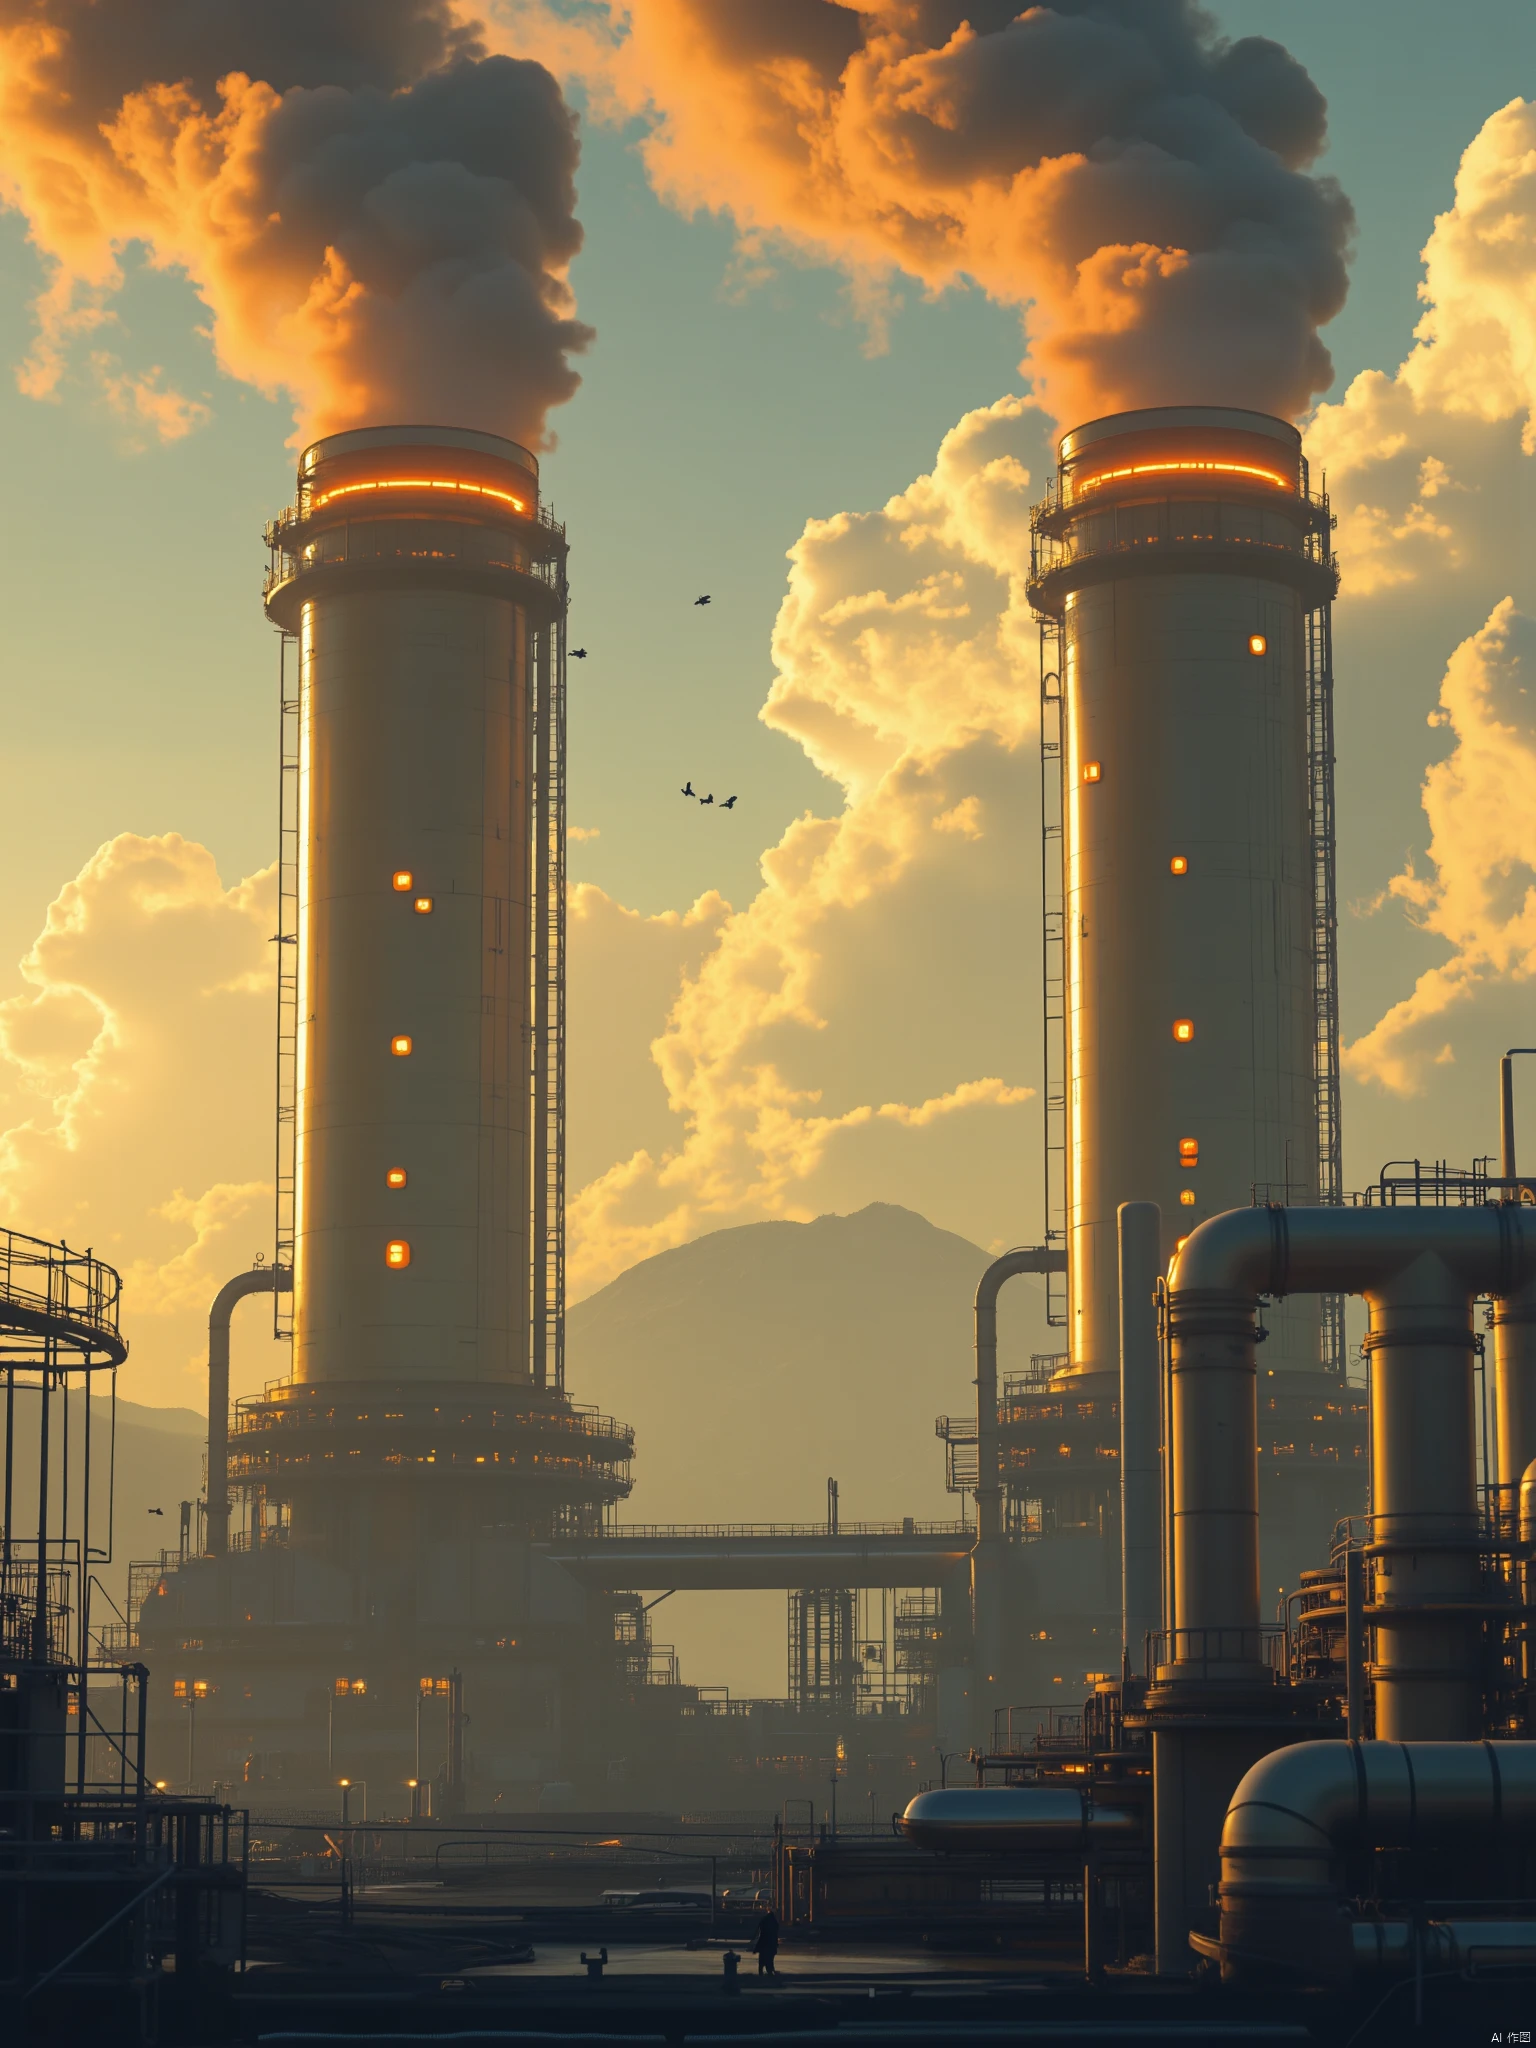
(828, 995)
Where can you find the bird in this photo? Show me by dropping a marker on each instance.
(701, 600)
(578, 654)
(707, 799)
(156, 1511)
(688, 788)
(729, 802)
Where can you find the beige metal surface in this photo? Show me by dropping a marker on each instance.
(1182, 742)
(414, 994)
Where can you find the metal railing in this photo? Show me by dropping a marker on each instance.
(74, 1291)
(673, 1531)
(1198, 1649)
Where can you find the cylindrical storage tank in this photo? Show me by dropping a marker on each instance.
(1181, 554)
(422, 587)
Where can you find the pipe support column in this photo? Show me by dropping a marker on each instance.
(1141, 1568)
(1424, 1519)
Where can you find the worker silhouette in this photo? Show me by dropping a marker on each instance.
(765, 1943)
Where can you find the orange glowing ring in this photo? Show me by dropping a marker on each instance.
(1109, 476)
(418, 483)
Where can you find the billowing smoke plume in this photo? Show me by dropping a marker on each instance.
(378, 214)
(1135, 181)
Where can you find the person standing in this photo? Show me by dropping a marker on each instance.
(765, 1943)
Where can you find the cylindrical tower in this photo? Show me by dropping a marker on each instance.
(420, 610)
(1180, 555)
(425, 588)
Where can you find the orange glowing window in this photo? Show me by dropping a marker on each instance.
(400, 1046)
(1187, 1197)
(403, 880)
(422, 905)
(418, 483)
(1189, 1151)
(395, 1178)
(1183, 1029)
(397, 1253)
(179, 1689)
(1109, 476)
(1257, 644)
(1093, 771)
(1179, 865)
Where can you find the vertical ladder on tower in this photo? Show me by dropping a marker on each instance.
(286, 939)
(1325, 942)
(548, 972)
(1053, 960)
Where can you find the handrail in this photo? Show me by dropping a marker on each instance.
(77, 1300)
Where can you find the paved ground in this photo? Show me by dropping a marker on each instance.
(794, 1965)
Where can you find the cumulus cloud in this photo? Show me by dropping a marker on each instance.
(1477, 890)
(128, 1116)
(1138, 184)
(906, 669)
(1420, 462)
(378, 214)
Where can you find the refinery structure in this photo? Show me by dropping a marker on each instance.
(425, 1581)
(1230, 1671)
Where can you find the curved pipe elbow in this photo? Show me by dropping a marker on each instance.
(259, 1280)
(1278, 1251)
(1028, 1258)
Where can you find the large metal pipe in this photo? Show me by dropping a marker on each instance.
(989, 1471)
(988, 1566)
(1299, 1810)
(260, 1280)
(998, 1819)
(1141, 1562)
(1419, 1271)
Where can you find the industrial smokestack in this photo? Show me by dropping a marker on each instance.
(1178, 562)
(427, 596)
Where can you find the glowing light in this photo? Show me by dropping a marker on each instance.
(395, 1178)
(1109, 476)
(397, 1253)
(1187, 1197)
(1189, 1151)
(422, 905)
(418, 483)
(403, 879)
(1183, 1029)
(1093, 771)
(1179, 865)
(1180, 1246)
(1257, 644)
(400, 1046)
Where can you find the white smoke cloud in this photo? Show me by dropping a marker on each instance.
(860, 1029)
(378, 215)
(1137, 184)
(131, 1110)
(1477, 892)
(1421, 464)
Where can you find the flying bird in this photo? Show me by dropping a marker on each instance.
(688, 788)
(578, 654)
(707, 799)
(156, 1511)
(701, 600)
(728, 804)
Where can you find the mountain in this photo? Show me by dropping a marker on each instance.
(755, 1363)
